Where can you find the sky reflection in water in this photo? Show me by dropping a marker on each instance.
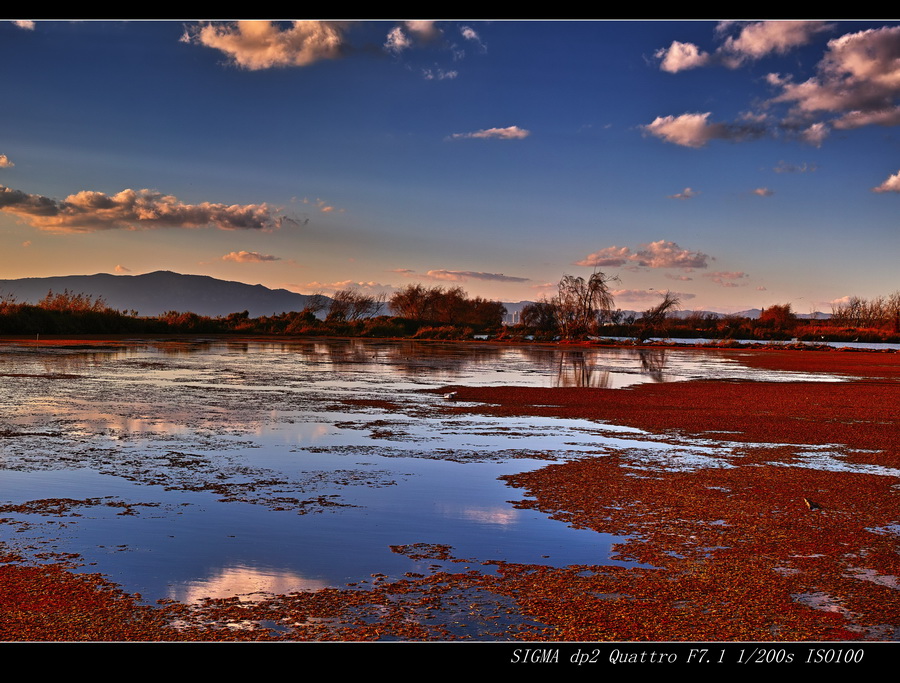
(174, 428)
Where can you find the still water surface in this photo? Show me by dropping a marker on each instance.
(213, 468)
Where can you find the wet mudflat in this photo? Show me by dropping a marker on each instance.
(330, 490)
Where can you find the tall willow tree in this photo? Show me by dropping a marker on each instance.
(579, 303)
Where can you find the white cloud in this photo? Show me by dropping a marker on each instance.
(687, 193)
(438, 74)
(322, 206)
(27, 24)
(688, 130)
(758, 39)
(859, 75)
(5, 162)
(88, 211)
(889, 116)
(258, 45)
(754, 41)
(892, 184)
(463, 275)
(681, 56)
(468, 33)
(695, 130)
(660, 254)
(508, 133)
(249, 257)
(763, 192)
(727, 279)
(609, 256)
(397, 41)
(815, 134)
(665, 254)
(423, 28)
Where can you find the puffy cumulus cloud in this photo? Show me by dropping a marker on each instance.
(5, 162)
(249, 257)
(463, 275)
(753, 41)
(610, 256)
(688, 130)
(121, 269)
(727, 279)
(27, 24)
(89, 211)
(508, 133)
(892, 184)
(858, 78)
(758, 39)
(258, 45)
(695, 129)
(763, 192)
(687, 193)
(660, 254)
(665, 254)
(681, 56)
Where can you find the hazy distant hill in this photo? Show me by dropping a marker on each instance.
(155, 293)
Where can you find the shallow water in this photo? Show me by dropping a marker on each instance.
(212, 468)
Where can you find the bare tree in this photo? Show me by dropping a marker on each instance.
(351, 304)
(579, 302)
(653, 318)
(315, 303)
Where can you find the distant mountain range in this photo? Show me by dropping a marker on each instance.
(156, 293)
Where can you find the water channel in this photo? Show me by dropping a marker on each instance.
(190, 468)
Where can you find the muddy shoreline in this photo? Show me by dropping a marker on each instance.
(732, 552)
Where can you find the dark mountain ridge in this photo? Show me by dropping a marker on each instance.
(153, 294)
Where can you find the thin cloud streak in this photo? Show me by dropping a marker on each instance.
(508, 133)
(249, 257)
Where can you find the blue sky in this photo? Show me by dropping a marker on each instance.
(737, 164)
